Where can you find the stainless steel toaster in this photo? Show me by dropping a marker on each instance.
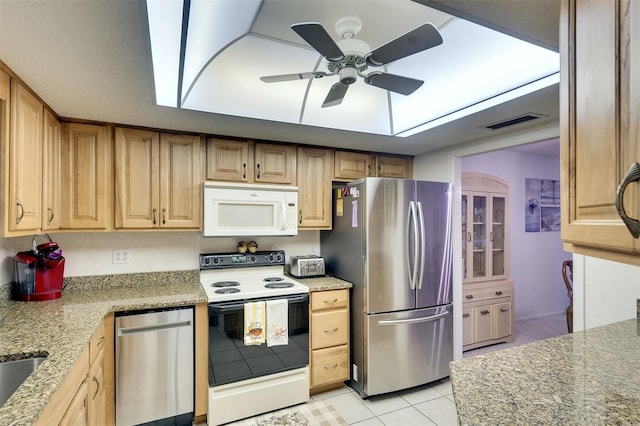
(306, 266)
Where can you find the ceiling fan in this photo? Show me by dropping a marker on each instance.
(350, 57)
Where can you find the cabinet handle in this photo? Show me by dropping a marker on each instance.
(100, 341)
(465, 315)
(503, 309)
(21, 215)
(368, 169)
(51, 215)
(331, 301)
(379, 170)
(164, 216)
(244, 170)
(632, 224)
(469, 296)
(154, 215)
(485, 312)
(333, 330)
(300, 217)
(468, 236)
(258, 170)
(97, 387)
(491, 236)
(330, 367)
(499, 293)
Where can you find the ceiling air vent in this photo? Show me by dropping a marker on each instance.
(513, 121)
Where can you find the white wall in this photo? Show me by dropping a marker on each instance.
(92, 253)
(535, 257)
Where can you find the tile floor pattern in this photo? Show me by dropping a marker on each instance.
(432, 404)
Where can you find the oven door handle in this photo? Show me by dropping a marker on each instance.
(222, 307)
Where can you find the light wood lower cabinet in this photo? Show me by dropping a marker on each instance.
(329, 339)
(86, 397)
(487, 314)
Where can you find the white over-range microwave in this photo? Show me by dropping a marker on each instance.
(238, 209)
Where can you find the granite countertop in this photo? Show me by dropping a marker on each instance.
(323, 283)
(62, 328)
(584, 378)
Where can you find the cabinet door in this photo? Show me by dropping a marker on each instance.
(5, 119)
(497, 242)
(329, 329)
(314, 188)
(468, 325)
(25, 160)
(87, 171)
(137, 160)
(180, 181)
(96, 393)
(599, 139)
(479, 255)
(51, 172)
(394, 167)
(467, 242)
(352, 165)
(329, 365)
(275, 163)
(229, 160)
(77, 413)
(483, 323)
(502, 320)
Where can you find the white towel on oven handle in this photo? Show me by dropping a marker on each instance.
(277, 322)
(254, 323)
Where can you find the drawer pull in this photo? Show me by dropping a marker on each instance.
(499, 293)
(485, 312)
(100, 341)
(21, 215)
(333, 330)
(330, 367)
(465, 315)
(97, 387)
(633, 225)
(331, 301)
(504, 309)
(469, 296)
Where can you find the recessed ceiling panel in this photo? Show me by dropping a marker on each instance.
(231, 83)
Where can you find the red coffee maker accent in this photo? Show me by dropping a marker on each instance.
(38, 272)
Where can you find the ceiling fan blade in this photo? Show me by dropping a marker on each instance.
(394, 83)
(290, 77)
(335, 95)
(318, 38)
(422, 38)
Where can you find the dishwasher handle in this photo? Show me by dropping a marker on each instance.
(153, 328)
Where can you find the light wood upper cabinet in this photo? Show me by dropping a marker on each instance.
(25, 160)
(351, 165)
(51, 172)
(315, 169)
(5, 120)
(158, 179)
(600, 125)
(246, 161)
(87, 177)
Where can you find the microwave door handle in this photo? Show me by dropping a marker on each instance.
(283, 221)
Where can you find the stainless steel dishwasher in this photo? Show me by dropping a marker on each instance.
(154, 367)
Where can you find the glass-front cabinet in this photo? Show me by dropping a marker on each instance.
(484, 234)
(487, 292)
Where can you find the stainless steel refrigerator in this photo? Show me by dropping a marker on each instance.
(391, 238)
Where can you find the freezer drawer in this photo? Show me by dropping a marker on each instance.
(406, 349)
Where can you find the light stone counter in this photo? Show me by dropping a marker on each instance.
(323, 283)
(62, 328)
(584, 378)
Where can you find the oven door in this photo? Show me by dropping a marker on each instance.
(231, 361)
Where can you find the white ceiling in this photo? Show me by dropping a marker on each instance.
(90, 59)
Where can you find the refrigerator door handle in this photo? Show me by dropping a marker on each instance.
(423, 249)
(412, 261)
(414, 320)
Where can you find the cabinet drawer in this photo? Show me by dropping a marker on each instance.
(97, 343)
(485, 294)
(330, 299)
(329, 365)
(329, 329)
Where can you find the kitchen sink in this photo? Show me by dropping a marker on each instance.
(13, 373)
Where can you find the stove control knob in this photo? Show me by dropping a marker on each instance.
(206, 261)
(252, 259)
(216, 260)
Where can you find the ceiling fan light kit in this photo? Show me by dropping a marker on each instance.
(351, 57)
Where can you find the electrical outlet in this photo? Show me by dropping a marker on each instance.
(120, 256)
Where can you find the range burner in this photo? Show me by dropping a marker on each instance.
(278, 285)
(226, 284)
(227, 290)
(273, 279)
